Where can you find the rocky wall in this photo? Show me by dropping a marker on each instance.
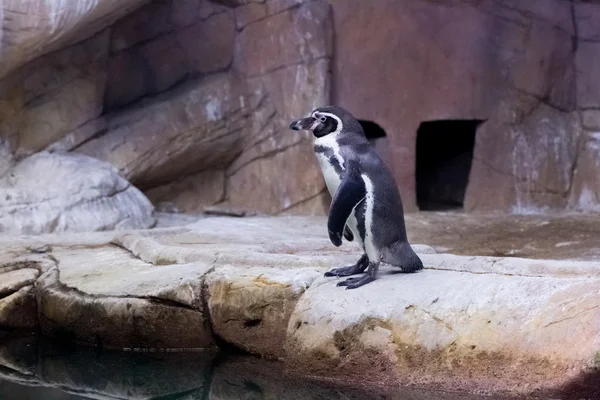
(190, 99)
(524, 68)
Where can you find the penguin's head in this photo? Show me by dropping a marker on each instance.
(328, 120)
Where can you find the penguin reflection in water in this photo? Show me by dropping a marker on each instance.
(366, 203)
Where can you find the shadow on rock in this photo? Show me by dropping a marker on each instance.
(587, 386)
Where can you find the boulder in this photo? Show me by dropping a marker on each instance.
(69, 192)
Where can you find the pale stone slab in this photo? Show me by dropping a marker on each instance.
(12, 281)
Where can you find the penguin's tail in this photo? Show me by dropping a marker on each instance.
(402, 255)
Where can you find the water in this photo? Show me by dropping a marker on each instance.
(30, 369)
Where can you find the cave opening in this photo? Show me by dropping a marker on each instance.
(444, 156)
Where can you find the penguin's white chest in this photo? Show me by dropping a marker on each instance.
(331, 177)
(332, 181)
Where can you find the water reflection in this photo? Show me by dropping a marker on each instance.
(31, 369)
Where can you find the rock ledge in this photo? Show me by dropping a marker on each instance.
(483, 324)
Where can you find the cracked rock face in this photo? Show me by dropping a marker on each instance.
(55, 193)
(250, 307)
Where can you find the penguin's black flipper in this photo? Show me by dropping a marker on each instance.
(351, 191)
(348, 234)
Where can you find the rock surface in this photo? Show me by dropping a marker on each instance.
(33, 27)
(257, 284)
(526, 73)
(200, 129)
(55, 193)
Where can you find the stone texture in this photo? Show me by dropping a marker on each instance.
(512, 48)
(542, 144)
(588, 84)
(257, 284)
(585, 194)
(115, 97)
(262, 47)
(133, 315)
(19, 354)
(105, 88)
(587, 15)
(423, 337)
(249, 13)
(250, 307)
(54, 193)
(41, 369)
(157, 64)
(6, 157)
(185, 132)
(290, 187)
(54, 95)
(591, 119)
(191, 193)
(18, 310)
(292, 90)
(79, 136)
(34, 27)
(236, 3)
(12, 281)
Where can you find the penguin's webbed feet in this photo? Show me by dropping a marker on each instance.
(355, 269)
(345, 271)
(370, 276)
(353, 283)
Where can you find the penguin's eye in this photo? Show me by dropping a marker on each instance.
(322, 119)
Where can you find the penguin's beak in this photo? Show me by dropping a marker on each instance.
(302, 123)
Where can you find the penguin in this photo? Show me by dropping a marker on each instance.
(366, 204)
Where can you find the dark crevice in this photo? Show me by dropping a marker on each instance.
(443, 162)
(252, 323)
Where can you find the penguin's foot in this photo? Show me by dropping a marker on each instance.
(355, 269)
(370, 276)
